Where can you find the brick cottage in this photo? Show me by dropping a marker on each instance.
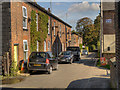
(15, 23)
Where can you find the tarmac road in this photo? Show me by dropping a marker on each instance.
(76, 75)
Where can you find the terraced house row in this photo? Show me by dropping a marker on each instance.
(26, 27)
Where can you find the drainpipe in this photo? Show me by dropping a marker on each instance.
(101, 30)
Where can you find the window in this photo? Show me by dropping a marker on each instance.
(48, 45)
(25, 45)
(63, 47)
(54, 28)
(37, 21)
(108, 20)
(24, 17)
(25, 49)
(108, 48)
(45, 46)
(60, 30)
(37, 46)
(49, 26)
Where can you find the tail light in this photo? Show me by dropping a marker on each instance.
(47, 61)
(28, 60)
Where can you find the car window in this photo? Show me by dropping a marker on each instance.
(48, 55)
(38, 55)
(65, 53)
(73, 49)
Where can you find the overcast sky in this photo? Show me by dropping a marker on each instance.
(70, 12)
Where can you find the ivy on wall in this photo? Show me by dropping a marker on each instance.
(42, 32)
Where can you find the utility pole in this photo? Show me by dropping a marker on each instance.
(101, 30)
(66, 17)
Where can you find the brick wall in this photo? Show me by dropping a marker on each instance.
(58, 42)
(75, 40)
(0, 37)
(117, 27)
(108, 27)
(6, 29)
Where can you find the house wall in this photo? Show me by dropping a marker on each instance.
(117, 27)
(75, 40)
(18, 34)
(108, 30)
(17, 31)
(109, 41)
(58, 42)
(6, 27)
(0, 38)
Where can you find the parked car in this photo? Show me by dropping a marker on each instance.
(75, 51)
(65, 56)
(84, 52)
(42, 61)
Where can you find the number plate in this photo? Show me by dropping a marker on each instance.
(37, 64)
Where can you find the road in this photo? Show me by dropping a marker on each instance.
(76, 75)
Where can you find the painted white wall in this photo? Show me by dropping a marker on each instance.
(109, 41)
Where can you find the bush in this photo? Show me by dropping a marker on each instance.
(93, 47)
(13, 69)
(98, 47)
(80, 45)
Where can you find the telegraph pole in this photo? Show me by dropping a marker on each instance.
(101, 30)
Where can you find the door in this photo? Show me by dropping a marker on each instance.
(15, 56)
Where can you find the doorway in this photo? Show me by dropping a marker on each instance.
(15, 55)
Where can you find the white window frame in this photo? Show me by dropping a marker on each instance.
(24, 45)
(48, 26)
(37, 21)
(54, 28)
(25, 17)
(48, 45)
(44, 46)
(37, 46)
(25, 51)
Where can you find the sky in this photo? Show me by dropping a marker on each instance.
(71, 12)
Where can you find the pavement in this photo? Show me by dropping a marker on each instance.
(76, 75)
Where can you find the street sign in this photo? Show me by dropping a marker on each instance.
(103, 61)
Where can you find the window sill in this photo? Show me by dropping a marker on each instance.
(25, 29)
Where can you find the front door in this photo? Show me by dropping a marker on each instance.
(15, 56)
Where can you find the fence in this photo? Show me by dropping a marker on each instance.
(6, 64)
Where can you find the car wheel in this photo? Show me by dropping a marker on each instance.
(56, 67)
(50, 70)
(30, 71)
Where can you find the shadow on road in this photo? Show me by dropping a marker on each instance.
(91, 83)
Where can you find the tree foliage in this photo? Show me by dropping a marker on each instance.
(41, 34)
(89, 30)
(82, 23)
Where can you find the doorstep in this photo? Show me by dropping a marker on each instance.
(24, 74)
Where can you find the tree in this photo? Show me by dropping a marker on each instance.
(89, 30)
(97, 27)
(82, 23)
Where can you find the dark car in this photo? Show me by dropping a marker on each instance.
(75, 51)
(42, 61)
(65, 56)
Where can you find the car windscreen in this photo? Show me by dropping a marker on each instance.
(38, 55)
(65, 53)
(50, 54)
(73, 49)
(84, 50)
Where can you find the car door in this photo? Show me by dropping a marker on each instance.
(53, 61)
